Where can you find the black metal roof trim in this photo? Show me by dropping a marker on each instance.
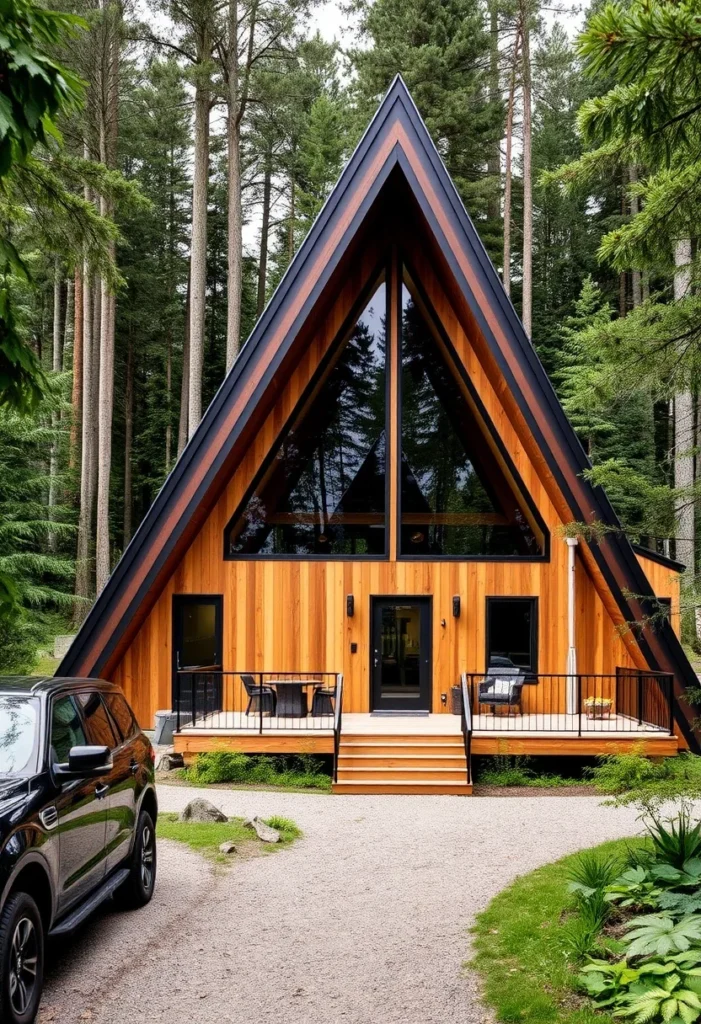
(655, 556)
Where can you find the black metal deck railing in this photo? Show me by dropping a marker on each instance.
(257, 701)
(631, 701)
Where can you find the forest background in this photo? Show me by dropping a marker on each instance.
(183, 154)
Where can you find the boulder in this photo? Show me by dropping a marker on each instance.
(200, 810)
(227, 847)
(167, 760)
(263, 831)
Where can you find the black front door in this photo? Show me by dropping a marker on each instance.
(197, 654)
(401, 654)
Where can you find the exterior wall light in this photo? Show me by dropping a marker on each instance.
(456, 606)
(350, 606)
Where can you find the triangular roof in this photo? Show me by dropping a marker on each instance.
(396, 141)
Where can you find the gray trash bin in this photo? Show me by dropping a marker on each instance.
(165, 724)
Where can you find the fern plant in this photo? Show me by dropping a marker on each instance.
(669, 1000)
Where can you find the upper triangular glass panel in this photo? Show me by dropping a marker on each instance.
(323, 492)
(455, 498)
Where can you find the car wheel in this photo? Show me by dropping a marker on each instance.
(21, 959)
(137, 890)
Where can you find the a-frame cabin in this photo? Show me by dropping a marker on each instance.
(370, 519)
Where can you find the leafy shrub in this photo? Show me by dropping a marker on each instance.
(220, 766)
(677, 840)
(634, 779)
(635, 887)
(660, 934)
(653, 991)
(580, 937)
(680, 904)
(507, 770)
(592, 871)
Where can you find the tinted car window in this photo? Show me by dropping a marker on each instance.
(121, 713)
(66, 729)
(18, 735)
(97, 722)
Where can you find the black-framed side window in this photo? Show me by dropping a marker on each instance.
(512, 632)
(324, 491)
(455, 499)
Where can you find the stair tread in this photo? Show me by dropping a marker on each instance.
(404, 782)
(406, 768)
(404, 757)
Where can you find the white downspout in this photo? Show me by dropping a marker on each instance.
(572, 708)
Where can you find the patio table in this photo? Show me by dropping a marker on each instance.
(291, 696)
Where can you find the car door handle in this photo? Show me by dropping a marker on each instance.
(101, 791)
(134, 767)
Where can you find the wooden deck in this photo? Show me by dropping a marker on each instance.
(492, 734)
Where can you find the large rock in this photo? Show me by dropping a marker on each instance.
(200, 810)
(263, 831)
(167, 761)
(227, 847)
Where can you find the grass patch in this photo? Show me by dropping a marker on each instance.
(207, 837)
(220, 766)
(523, 950)
(505, 770)
(46, 666)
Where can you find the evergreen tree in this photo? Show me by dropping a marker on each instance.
(440, 49)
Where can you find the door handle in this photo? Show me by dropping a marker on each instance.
(133, 767)
(101, 791)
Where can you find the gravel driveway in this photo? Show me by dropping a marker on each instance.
(364, 921)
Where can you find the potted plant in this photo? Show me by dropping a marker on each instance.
(598, 707)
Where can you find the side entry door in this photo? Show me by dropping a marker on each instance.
(81, 806)
(197, 655)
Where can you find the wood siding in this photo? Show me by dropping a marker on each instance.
(291, 615)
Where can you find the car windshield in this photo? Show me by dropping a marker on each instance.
(19, 729)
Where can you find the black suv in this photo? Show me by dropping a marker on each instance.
(77, 820)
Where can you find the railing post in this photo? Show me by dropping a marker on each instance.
(177, 701)
(670, 703)
(193, 697)
(640, 698)
(579, 705)
(260, 703)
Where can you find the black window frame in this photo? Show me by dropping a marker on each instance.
(55, 698)
(406, 277)
(490, 602)
(382, 274)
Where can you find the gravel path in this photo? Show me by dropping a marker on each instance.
(364, 921)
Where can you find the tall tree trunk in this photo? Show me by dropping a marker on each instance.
(185, 383)
(527, 312)
(77, 391)
(635, 276)
(198, 245)
(56, 367)
(68, 340)
(83, 582)
(96, 332)
(169, 400)
(508, 176)
(128, 442)
(494, 162)
(264, 230)
(235, 216)
(684, 429)
(291, 225)
(108, 154)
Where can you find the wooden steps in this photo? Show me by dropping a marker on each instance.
(412, 764)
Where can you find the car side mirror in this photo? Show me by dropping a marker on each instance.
(85, 763)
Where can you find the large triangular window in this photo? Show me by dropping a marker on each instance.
(457, 493)
(323, 491)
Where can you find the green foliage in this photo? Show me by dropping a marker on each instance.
(592, 872)
(634, 887)
(303, 772)
(634, 779)
(34, 89)
(521, 953)
(676, 841)
(516, 770)
(659, 934)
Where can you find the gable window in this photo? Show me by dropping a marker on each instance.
(455, 497)
(512, 632)
(323, 492)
